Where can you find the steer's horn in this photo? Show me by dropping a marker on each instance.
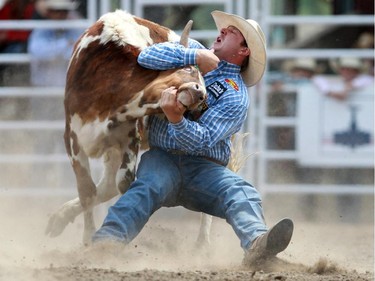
(185, 33)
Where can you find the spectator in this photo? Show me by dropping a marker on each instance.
(281, 103)
(15, 41)
(51, 49)
(366, 41)
(303, 70)
(351, 78)
(298, 71)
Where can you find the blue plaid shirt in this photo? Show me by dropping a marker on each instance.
(227, 103)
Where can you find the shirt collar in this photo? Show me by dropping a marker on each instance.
(226, 68)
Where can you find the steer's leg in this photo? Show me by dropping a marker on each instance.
(126, 173)
(86, 196)
(107, 188)
(85, 186)
(86, 193)
(105, 191)
(60, 219)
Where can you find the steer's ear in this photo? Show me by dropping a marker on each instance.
(185, 34)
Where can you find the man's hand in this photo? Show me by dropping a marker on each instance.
(206, 60)
(342, 95)
(171, 107)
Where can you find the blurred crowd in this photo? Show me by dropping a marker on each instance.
(50, 49)
(351, 75)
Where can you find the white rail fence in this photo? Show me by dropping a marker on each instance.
(29, 170)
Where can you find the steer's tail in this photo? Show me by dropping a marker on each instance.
(238, 158)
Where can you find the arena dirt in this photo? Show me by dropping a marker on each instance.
(166, 249)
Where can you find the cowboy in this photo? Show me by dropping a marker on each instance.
(186, 164)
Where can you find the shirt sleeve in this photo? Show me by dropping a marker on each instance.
(169, 55)
(322, 84)
(217, 123)
(362, 81)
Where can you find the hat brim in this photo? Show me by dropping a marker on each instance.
(255, 41)
(337, 64)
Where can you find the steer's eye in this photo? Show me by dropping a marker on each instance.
(188, 69)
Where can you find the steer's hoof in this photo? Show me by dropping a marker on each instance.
(56, 225)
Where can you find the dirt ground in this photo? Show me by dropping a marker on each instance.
(166, 250)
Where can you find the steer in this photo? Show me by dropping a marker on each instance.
(107, 96)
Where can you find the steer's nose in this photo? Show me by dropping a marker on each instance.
(201, 91)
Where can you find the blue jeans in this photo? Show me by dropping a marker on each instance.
(168, 180)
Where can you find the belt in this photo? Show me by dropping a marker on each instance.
(181, 152)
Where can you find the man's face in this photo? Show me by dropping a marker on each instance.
(57, 14)
(348, 73)
(228, 42)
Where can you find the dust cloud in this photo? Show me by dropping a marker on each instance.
(166, 249)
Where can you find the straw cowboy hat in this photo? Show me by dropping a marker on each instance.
(305, 63)
(60, 5)
(353, 63)
(255, 40)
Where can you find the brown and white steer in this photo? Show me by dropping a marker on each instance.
(106, 96)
